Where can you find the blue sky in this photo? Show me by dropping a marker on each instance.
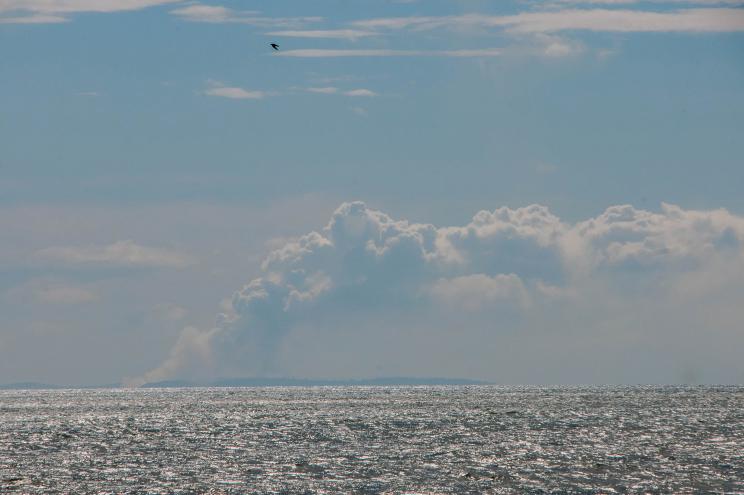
(154, 152)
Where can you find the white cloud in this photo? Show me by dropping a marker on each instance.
(624, 236)
(204, 13)
(628, 2)
(689, 20)
(235, 93)
(121, 253)
(330, 90)
(325, 90)
(219, 14)
(69, 6)
(33, 19)
(321, 53)
(345, 34)
(360, 92)
(556, 46)
(219, 89)
(53, 11)
(608, 20)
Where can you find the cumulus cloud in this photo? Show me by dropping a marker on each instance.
(477, 291)
(121, 253)
(503, 262)
(625, 237)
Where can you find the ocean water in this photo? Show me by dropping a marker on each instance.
(454, 439)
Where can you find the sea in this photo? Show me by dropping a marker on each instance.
(369, 440)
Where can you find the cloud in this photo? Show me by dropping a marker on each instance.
(345, 34)
(204, 13)
(122, 253)
(330, 90)
(218, 14)
(626, 237)
(606, 20)
(325, 90)
(361, 112)
(689, 20)
(33, 19)
(555, 46)
(473, 292)
(53, 11)
(192, 346)
(69, 6)
(514, 265)
(628, 2)
(49, 292)
(360, 92)
(170, 312)
(65, 294)
(219, 89)
(320, 53)
(235, 93)
(545, 168)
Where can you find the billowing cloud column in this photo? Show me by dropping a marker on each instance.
(514, 261)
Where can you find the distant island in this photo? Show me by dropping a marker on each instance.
(263, 382)
(302, 382)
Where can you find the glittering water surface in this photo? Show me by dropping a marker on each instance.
(374, 440)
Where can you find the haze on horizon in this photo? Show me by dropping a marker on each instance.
(519, 192)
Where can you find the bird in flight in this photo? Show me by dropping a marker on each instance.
(274, 46)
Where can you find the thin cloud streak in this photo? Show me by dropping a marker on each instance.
(235, 93)
(120, 253)
(53, 11)
(65, 295)
(221, 15)
(327, 90)
(70, 6)
(347, 34)
(360, 92)
(34, 19)
(685, 20)
(321, 53)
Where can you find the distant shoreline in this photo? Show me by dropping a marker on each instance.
(260, 382)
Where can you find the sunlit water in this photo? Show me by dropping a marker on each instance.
(470, 439)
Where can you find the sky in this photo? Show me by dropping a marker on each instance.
(524, 192)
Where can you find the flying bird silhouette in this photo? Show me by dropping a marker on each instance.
(274, 46)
